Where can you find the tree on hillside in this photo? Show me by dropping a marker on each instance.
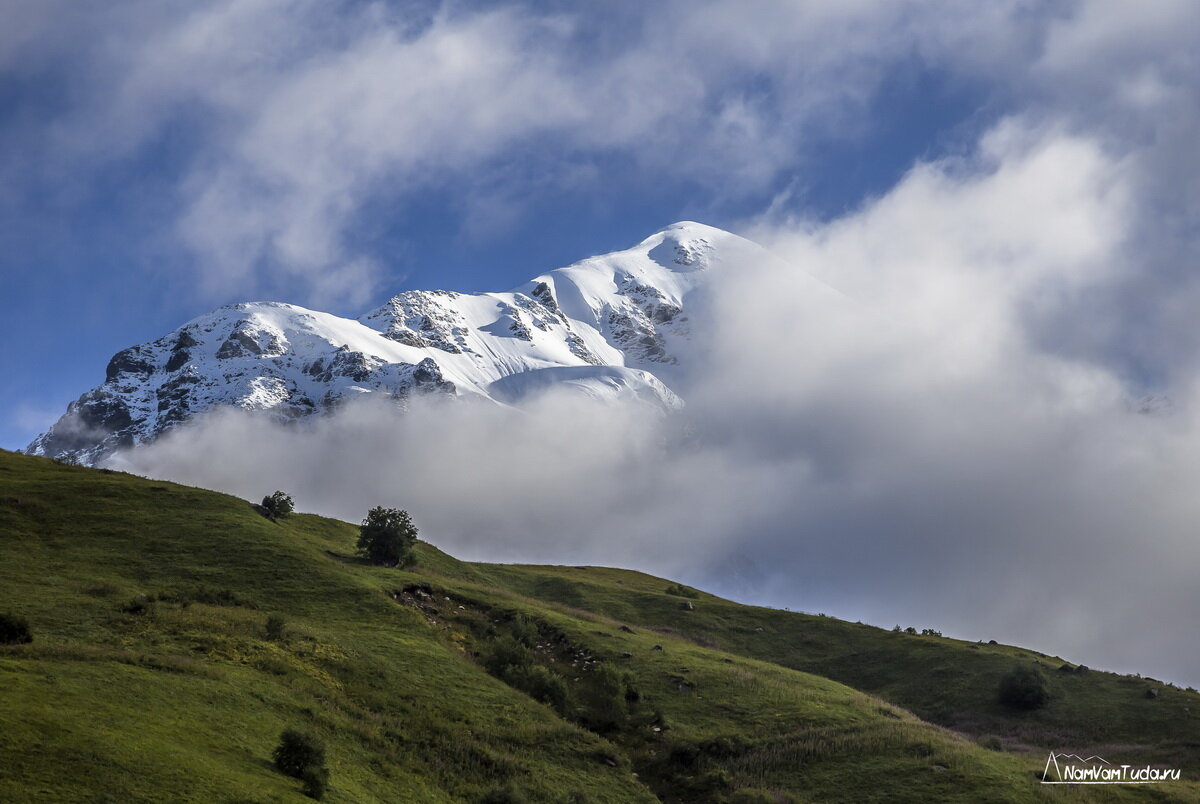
(302, 756)
(1024, 687)
(14, 630)
(277, 505)
(387, 537)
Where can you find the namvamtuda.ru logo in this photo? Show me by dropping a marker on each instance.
(1074, 769)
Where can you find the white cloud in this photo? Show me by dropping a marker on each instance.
(294, 116)
(914, 455)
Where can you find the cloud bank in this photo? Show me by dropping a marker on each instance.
(920, 451)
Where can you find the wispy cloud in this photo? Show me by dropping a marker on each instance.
(289, 118)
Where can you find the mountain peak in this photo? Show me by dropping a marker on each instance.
(608, 327)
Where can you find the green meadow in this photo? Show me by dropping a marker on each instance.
(153, 675)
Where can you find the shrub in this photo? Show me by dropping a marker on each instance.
(209, 596)
(506, 656)
(277, 505)
(315, 780)
(508, 794)
(605, 699)
(1024, 687)
(387, 537)
(524, 630)
(750, 795)
(991, 742)
(540, 683)
(298, 751)
(679, 590)
(276, 627)
(14, 630)
(141, 604)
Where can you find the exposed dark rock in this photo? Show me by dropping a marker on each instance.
(179, 359)
(542, 292)
(134, 360)
(428, 375)
(408, 338)
(239, 344)
(350, 364)
(580, 350)
(517, 327)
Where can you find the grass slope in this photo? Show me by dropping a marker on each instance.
(151, 676)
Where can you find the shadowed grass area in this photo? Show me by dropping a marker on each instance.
(177, 632)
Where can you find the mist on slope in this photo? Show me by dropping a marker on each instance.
(927, 451)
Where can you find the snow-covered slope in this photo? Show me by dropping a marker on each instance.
(608, 326)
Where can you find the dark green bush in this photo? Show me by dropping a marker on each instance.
(750, 795)
(14, 630)
(277, 505)
(524, 630)
(276, 627)
(207, 595)
(387, 537)
(315, 781)
(507, 655)
(508, 794)
(141, 604)
(679, 590)
(296, 752)
(1024, 687)
(540, 683)
(604, 699)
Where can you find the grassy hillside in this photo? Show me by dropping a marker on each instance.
(153, 676)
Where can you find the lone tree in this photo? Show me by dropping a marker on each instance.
(302, 756)
(1024, 687)
(277, 505)
(387, 536)
(14, 630)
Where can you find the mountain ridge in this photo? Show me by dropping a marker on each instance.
(607, 326)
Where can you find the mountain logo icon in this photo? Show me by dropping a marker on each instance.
(1065, 768)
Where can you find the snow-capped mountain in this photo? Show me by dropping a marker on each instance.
(609, 326)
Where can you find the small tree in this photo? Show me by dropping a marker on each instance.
(277, 505)
(14, 630)
(1024, 687)
(387, 536)
(297, 752)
